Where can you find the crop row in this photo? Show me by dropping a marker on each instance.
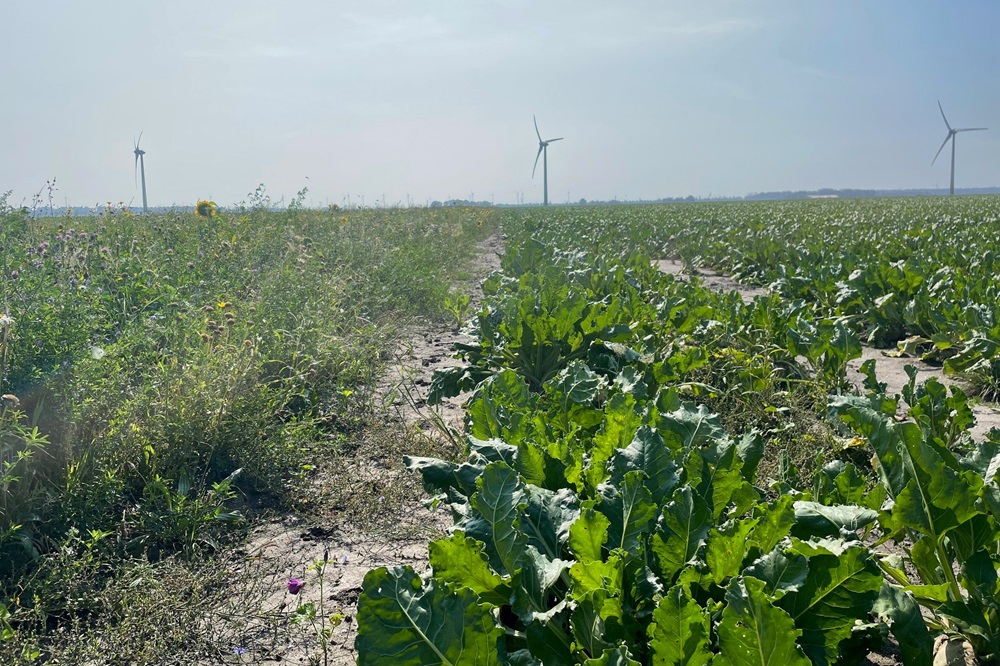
(605, 514)
(920, 273)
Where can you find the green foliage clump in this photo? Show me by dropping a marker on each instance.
(158, 370)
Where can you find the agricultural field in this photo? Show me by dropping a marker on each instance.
(651, 467)
(659, 472)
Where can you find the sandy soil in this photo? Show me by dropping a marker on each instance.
(712, 279)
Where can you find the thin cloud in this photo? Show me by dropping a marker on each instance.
(245, 51)
(724, 27)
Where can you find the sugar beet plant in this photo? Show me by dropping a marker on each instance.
(640, 538)
(917, 272)
(943, 503)
(603, 517)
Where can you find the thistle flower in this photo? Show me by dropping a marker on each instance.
(295, 585)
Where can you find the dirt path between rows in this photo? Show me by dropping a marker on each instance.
(293, 548)
(888, 369)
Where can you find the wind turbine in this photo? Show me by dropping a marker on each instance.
(141, 164)
(543, 152)
(951, 137)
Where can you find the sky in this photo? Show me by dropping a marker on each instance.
(417, 101)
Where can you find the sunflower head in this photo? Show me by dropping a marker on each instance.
(205, 208)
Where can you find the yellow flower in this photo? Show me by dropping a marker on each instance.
(205, 208)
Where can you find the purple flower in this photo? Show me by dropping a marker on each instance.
(43, 245)
(239, 650)
(295, 585)
(14, 273)
(343, 560)
(105, 249)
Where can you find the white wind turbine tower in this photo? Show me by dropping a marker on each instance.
(543, 152)
(951, 137)
(141, 164)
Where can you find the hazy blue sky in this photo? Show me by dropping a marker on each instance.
(434, 98)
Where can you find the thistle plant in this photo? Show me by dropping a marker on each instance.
(317, 618)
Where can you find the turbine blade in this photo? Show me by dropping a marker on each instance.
(537, 155)
(137, 141)
(944, 116)
(972, 129)
(551, 140)
(950, 135)
(535, 120)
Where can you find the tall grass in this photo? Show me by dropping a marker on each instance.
(159, 366)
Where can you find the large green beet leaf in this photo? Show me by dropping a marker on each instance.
(403, 622)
